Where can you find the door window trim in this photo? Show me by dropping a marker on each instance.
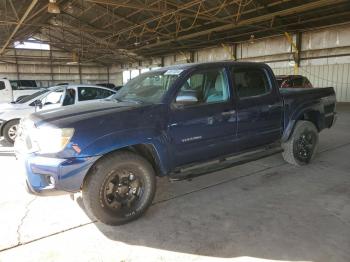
(226, 77)
(256, 96)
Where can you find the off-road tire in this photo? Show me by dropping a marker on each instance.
(95, 185)
(290, 147)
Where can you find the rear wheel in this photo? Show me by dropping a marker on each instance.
(302, 146)
(119, 188)
(10, 130)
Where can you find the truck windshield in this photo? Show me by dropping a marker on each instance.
(147, 88)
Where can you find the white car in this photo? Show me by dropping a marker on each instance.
(52, 97)
(11, 90)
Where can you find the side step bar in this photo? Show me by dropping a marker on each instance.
(219, 164)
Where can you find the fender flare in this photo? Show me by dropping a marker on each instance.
(157, 141)
(298, 115)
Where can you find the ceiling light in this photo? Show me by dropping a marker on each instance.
(54, 21)
(53, 7)
(252, 39)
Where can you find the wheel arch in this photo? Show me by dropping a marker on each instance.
(312, 114)
(147, 150)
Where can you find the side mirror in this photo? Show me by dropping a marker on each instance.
(37, 103)
(186, 98)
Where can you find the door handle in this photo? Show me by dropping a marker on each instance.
(228, 113)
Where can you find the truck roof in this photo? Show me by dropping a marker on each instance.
(205, 64)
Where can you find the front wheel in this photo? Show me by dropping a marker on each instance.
(302, 146)
(119, 188)
(10, 130)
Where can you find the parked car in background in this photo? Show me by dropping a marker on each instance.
(110, 85)
(293, 81)
(180, 121)
(23, 84)
(12, 90)
(53, 97)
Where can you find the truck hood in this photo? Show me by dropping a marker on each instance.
(96, 110)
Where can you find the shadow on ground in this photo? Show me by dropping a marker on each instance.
(269, 214)
(264, 209)
(6, 148)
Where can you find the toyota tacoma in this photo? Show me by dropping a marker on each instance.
(180, 121)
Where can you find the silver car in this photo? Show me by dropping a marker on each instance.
(52, 97)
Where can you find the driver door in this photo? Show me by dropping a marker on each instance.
(206, 128)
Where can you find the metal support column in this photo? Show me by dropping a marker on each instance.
(17, 69)
(298, 45)
(79, 68)
(51, 70)
(107, 74)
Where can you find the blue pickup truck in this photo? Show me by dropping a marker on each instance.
(180, 121)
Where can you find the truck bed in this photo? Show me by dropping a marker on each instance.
(321, 98)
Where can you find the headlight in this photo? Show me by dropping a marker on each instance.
(49, 139)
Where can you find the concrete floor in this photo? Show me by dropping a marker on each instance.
(265, 210)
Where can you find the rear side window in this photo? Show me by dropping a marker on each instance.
(307, 83)
(91, 93)
(250, 82)
(298, 82)
(14, 84)
(2, 85)
(23, 84)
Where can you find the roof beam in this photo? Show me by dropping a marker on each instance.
(30, 7)
(242, 37)
(127, 5)
(284, 12)
(155, 18)
(14, 9)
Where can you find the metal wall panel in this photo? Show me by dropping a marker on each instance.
(335, 75)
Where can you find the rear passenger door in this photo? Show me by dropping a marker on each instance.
(259, 107)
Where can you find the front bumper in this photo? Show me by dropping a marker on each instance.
(52, 176)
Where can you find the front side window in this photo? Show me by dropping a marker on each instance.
(148, 87)
(209, 86)
(54, 97)
(250, 82)
(69, 98)
(2, 85)
(14, 84)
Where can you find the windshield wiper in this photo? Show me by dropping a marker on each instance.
(137, 101)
